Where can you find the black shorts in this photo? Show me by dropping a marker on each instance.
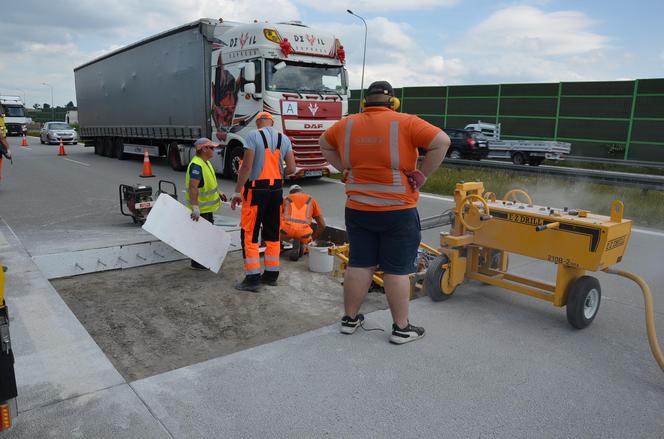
(389, 239)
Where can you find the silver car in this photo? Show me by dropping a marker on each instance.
(53, 132)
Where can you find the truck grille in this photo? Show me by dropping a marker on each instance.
(307, 152)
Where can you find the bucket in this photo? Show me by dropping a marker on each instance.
(319, 260)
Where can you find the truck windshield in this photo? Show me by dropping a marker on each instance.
(302, 77)
(15, 111)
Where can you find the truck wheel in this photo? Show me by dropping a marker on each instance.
(535, 161)
(455, 154)
(519, 158)
(118, 149)
(99, 146)
(232, 165)
(174, 157)
(433, 280)
(583, 299)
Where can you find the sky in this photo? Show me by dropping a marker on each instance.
(410, 42)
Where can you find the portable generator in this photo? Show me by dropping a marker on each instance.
(138, 199)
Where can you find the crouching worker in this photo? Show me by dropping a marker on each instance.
(299, 209)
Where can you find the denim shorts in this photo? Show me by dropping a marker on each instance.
(389, 239)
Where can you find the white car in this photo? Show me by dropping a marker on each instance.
(53, 132)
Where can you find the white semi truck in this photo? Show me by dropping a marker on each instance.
(210, 78)
(16, 121)
(521, 152)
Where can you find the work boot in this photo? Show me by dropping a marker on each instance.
(409, 333)
(249, 283)
(349, 325)
(270, 278)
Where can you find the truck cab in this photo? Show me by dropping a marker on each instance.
(16, 122)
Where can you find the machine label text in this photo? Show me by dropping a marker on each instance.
(524, 219)
(615, 243)
(560, 260)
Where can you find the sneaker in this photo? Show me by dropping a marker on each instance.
(348, 325)
(247, 285)
(409, 333)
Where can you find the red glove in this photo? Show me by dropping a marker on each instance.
(416, 179)
(236, 200)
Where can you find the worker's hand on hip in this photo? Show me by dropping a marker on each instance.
(236, 200)
(195, 212)
(222, 196)
(416, 179)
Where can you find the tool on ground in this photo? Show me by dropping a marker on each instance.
(138, 199)
(485, 230)
(24, 141)
(8, 391)
(147, 167)
(61, 150)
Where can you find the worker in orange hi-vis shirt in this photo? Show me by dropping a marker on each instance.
(298, 212)
(377, 151)
(258, 190)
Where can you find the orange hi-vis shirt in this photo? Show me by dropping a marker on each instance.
(379, 146)
(300, 208)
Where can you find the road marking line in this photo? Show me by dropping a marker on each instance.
(26, 147)
(647, 232)
(74, 161)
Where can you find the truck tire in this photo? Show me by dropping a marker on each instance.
(174, 157)
(519, 158)
(233, 158)
(99, 146)
(108, 147)
(118, 149)
(535, 161)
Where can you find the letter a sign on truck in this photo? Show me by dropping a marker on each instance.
(289, 108)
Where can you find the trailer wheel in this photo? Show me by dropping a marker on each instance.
(519, 158)
(434, 278)
(174, 157)
(99, 146)
(535, 161)
(118, 149)
(583, 299)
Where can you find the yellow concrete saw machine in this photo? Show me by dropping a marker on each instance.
(485, 230)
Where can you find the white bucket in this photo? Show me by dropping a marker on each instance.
(319, 260)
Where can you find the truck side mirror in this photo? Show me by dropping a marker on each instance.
(249, 88)
(249, 72)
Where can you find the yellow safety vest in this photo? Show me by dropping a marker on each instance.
(3, 128)
(208, 195)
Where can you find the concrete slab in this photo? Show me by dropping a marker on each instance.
(492, 364)
(112, 413)
(56, 359)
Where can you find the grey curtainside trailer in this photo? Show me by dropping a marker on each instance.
(152, 95)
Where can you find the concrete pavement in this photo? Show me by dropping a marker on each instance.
(493, 363)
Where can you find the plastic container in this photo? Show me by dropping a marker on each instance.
(319, 260)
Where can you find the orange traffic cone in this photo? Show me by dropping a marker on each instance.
(24, 142)
(147, 168)
(61, 151)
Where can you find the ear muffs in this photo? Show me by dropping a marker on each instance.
(395, 103)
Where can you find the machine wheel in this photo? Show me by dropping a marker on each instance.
(233, 163)
(118, 149)
(519, 158)
(535, 161)
(433, 280)
(297, 251)
(174, 157)
(99, 146)
(455, 154)
(583, 299)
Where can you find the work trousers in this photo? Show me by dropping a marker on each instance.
(302, 232)
(210, 217)
(261, 214)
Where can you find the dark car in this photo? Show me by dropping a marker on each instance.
(466, 144)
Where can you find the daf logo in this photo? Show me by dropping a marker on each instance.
(313, 126)
(313, 108)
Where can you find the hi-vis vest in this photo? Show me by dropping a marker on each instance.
(297, 215)
(208, 195)
(272, 173)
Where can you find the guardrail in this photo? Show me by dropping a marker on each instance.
(643, 181)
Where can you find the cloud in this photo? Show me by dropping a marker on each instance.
(526, 44)
(380, 6)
